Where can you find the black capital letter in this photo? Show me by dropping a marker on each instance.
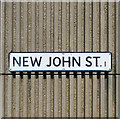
(74, 60)
(58, 63)
(25, 65)
(63, 61)
(88, 61)
(48, 65)
(36, 61)
(96, 60)
(15, 60)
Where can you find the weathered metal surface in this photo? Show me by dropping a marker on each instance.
(117, 59)
(56, 27)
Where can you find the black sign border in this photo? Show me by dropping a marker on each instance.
(59, 70)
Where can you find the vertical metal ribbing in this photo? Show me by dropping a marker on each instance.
(48, 110)
(67, 49)
(96, 48)
(5, 39)
(64, 39)
(56, 87)
(114, 84)
(67, 26)
(104, 47)
(41, 50)
(37, 26)
(98, 81)
(37, 50)
(18, 50)
(23, 47)
(29, 37)
(52, 26)
(52, 50)
(13, 26)
(21, 26)
(64, 26)
(4, 21)
(44, 25)
(1, 85)
(13, 49)
(73, 48)
(58, 27)
(117, 58)
(80, 48)
(91, 50)
(8, 47)
(29, 26)
(2, 35)
(59, 49)
(33, 49)
(88, 47)
(112, 48)
(44, 50)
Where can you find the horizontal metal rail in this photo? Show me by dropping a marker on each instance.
(55, 74)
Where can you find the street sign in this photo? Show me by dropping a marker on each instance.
(61, 61)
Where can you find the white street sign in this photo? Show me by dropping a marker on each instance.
(60, 61)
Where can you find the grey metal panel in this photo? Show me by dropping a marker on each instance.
(52, 48)
(117, 59)
(48, 49)
(1, 61)
(44, 49)
(57, 47)
(23, 47)
(36, 97)
(88, 48)
(55, 27)
(8, 48)
(40, 50)
(72, 49)
(80, 48)
(112, 48)
(64, 40)
(16, 47)
(96, 48)
(104, 47)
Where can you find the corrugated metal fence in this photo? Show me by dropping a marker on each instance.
(60, 27)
